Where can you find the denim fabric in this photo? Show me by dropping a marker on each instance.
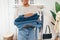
(21, 21)
(21, 18)
(32, 22)
(24, 33)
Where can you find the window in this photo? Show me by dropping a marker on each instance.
(31, 1)
(19, 2)
(16, 1)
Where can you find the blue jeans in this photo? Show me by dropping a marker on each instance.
(26, 34)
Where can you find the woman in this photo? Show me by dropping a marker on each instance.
(26, 10)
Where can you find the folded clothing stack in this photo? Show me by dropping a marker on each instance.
(26, 27)
(21, 18)
(21, 21)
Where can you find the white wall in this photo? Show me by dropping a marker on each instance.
(7, 17)
(3, 17)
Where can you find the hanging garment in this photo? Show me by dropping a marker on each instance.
(26, 27)
(39, 30)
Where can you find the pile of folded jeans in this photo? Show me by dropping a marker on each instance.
(32, 20)
(26, 25)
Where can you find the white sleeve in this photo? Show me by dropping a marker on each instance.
(16, 12)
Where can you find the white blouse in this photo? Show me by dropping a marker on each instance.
(20, 10)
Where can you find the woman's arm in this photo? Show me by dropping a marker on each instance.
(16, 12)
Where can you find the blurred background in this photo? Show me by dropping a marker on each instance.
(7, 10)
